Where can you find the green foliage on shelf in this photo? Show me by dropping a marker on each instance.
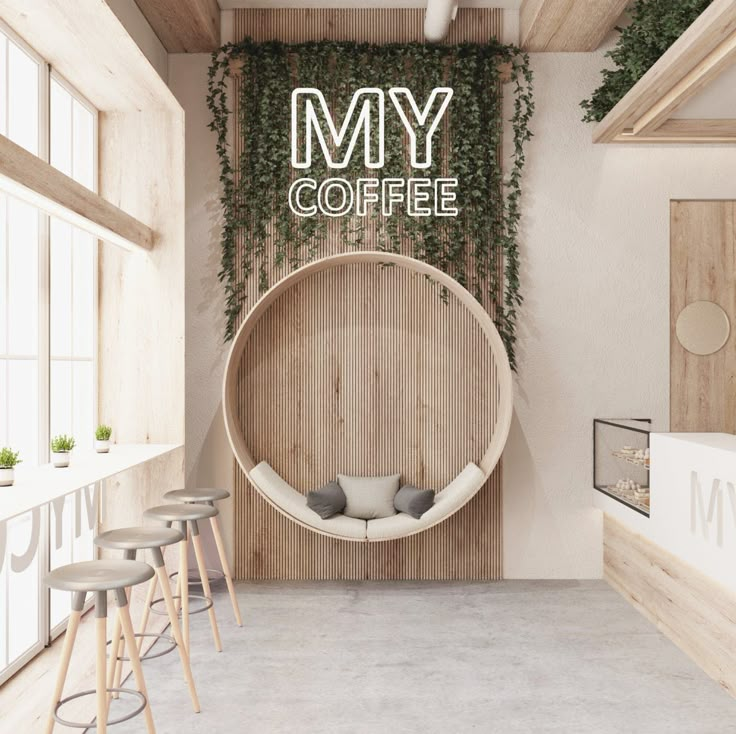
(655, 26)
(479, 247)
(9, 458)
(103, 432)
(62, 443)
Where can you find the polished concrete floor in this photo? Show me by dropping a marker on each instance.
(400, 658)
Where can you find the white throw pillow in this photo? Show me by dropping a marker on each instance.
(369, 498)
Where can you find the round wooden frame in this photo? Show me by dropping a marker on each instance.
(229, 389)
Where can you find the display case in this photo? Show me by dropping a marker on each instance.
(621, 460)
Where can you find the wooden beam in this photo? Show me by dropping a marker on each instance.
(710, 31)
(708, 69)
(127, 82)
(685, 131)
(184, 26)
(27, 177)
(696, 613)
(567, 25)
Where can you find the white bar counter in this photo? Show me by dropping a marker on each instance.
(692, 502)
(40, 485)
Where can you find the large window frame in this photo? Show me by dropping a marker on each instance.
(43, 517)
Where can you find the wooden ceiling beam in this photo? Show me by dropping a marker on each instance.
(184, 26)
(703, 50)
(567, 25)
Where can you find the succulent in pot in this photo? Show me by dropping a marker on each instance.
(8, 460)
(61, 447)
(102, 438)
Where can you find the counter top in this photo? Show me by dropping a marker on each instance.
(723, 441)
(40, 485)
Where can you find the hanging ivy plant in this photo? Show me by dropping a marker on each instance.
(655, 26)
(261, 236)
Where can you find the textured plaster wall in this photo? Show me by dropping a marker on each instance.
(595, 324)
(594, 327)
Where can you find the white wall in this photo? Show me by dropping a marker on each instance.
(594, 326)
(209, 460)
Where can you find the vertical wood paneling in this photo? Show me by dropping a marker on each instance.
(703, 268)
(348, 373)
(372, 25)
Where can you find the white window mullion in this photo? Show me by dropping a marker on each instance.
(44, 274)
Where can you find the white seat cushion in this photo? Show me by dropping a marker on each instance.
(450, 499)
(284, 496)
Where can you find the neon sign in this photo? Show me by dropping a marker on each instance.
(365, 117)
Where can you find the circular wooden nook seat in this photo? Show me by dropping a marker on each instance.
(349, 366)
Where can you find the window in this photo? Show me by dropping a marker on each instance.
(48, 345)
(20, 111)
(73, 267)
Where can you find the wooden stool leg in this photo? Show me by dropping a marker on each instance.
(101, 625)
(115, 652)
(226, 569)
(178, 590)
(184, 588)
(176, 630)
(152, 586)
(202, 566)
(135, 663)
(66, 654)
(118, 664)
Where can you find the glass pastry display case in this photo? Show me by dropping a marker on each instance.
(621, 460)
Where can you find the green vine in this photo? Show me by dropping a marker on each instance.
(655, 26)
(479, 247)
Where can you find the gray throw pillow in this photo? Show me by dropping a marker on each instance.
(369, 498)
(327, 501)
(413, 501)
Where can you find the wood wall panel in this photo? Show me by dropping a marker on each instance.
(412, 418)
(373, 25)
(703, 268)
(696, 613)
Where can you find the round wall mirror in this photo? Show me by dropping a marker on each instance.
(702, 327)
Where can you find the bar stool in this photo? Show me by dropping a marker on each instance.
(130, 541)
(99, 577)
(209, 497)
(187, 517)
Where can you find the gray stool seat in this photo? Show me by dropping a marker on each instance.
(99, 575)
(138, 538)
(180, 513)
(197, 495)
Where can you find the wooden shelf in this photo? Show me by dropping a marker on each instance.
(702, 52)
(30, 179)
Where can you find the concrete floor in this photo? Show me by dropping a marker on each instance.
(396, 658)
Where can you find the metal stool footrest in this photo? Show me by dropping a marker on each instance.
(206, 603)
(151, 655)
(111, 722)
(213, 576)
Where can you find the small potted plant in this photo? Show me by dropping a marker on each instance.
(61, 445)
(8, 460)
(102, 439)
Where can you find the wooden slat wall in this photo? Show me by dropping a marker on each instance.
(373, 25)
(703, 268)
(392, 411)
